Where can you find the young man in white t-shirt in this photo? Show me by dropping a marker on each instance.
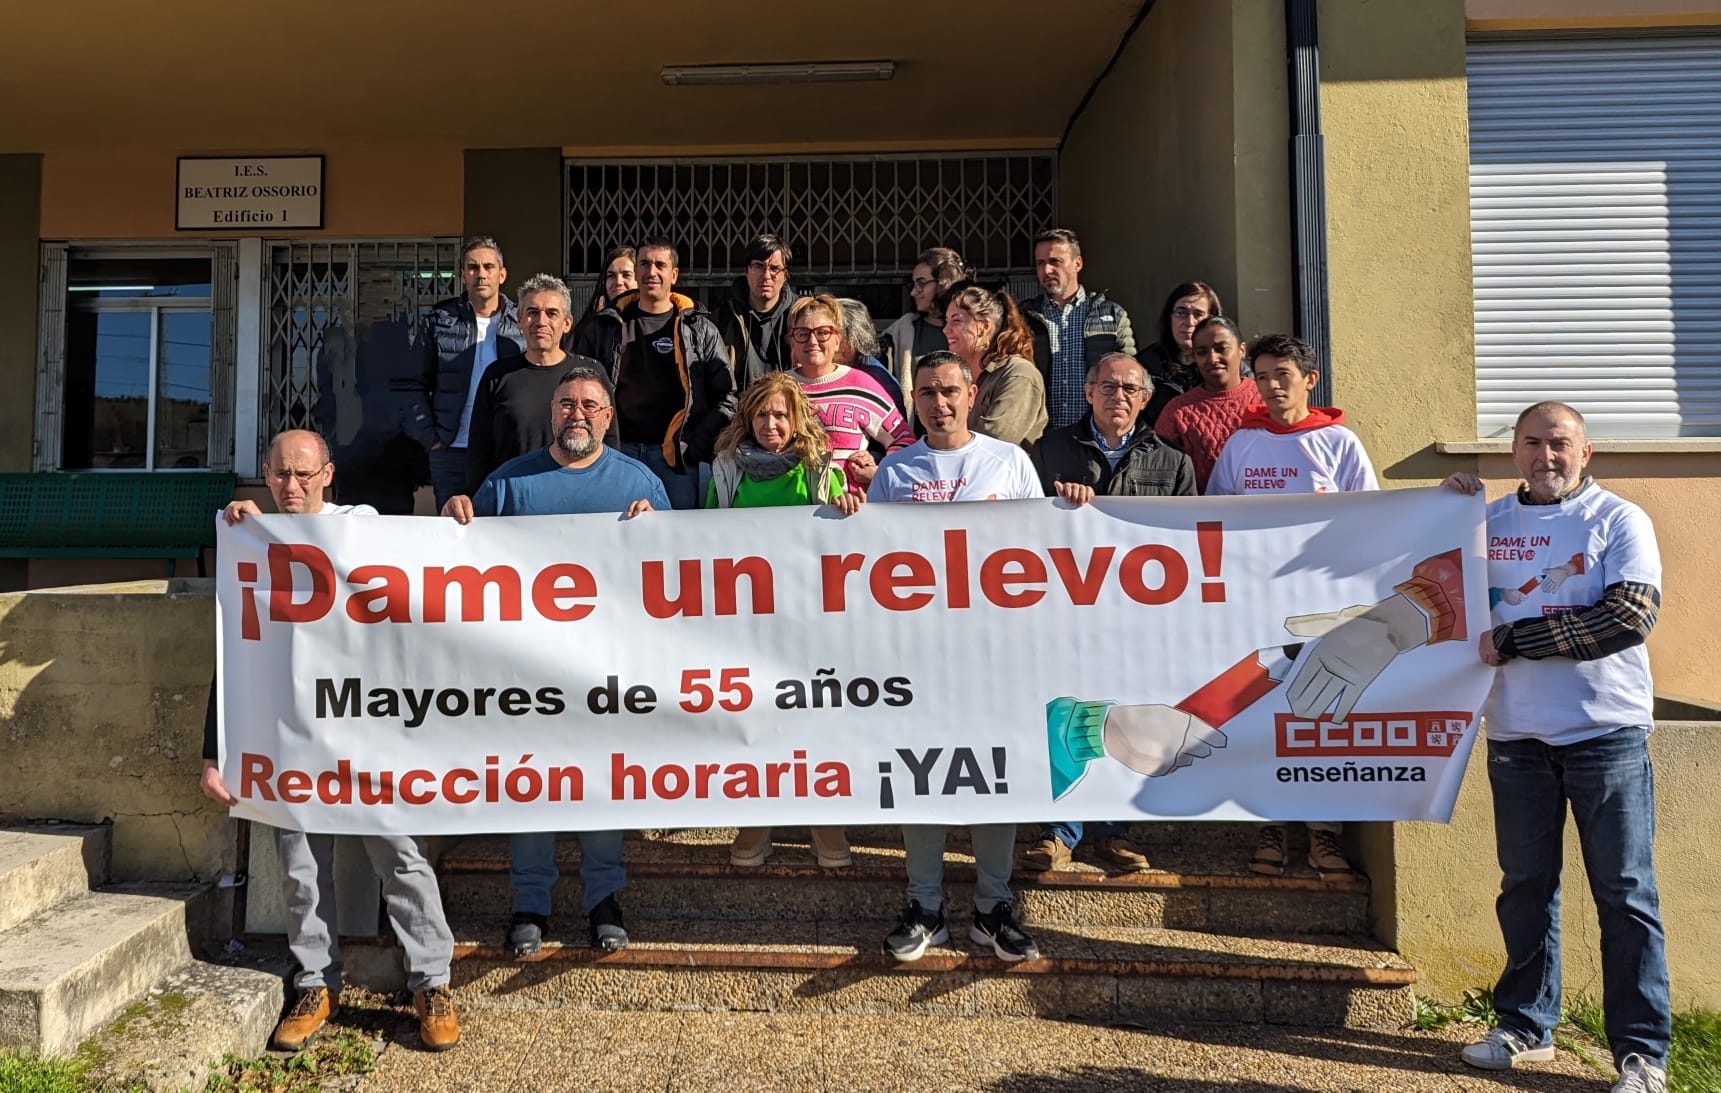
(952, 463)
(1568, 722)
(1287, 446)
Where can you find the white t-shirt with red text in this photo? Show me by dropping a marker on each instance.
(984, 469)
(1548, 559)
(1316, 455)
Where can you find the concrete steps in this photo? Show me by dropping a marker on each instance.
(111, 966)
(1197, 939)
(45, 864)
(688, 875)
(70, 968)
(1087, 972)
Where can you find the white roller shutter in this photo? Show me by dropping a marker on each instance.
(1595, 226)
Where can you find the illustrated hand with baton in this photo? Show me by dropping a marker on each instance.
(1351, 648)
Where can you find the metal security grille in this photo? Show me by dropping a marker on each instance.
(1595, 219)
(852, 220)
(322, 295)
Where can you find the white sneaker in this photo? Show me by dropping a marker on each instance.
(1639, 1075)
(1502, 1049)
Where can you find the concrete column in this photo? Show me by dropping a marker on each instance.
(20, 259)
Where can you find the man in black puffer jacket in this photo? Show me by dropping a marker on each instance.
(1073, 328)
(669, 374)
(459, 339)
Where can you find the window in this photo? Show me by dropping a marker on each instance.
(1595, 195)
(136, 366)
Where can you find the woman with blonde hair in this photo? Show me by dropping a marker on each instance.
(987, 331)
(774, 452)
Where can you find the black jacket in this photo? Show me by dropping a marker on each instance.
(1106, 330)
(448, 340)
(1149, 467)
(707, 384)
(756, 346)
(1170, 378)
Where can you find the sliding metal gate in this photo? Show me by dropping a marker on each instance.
(323, 298)
(856, 223)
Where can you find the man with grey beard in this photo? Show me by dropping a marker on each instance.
(574, 474)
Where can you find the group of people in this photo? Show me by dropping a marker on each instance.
(646, 403)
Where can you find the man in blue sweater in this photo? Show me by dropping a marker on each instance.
(574, 474)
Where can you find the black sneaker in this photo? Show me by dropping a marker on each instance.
(998, 929)
(608, 933)
(915, 931)
(526, 933)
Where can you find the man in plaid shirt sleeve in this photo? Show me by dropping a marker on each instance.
(1575, 580)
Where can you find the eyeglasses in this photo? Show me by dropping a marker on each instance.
(805, 334)
(588, 407)
(772, 271)
(921, 282)
(281, 474)
(1186, 313)
(1129, 390)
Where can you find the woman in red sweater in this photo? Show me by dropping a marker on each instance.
(1202, 419)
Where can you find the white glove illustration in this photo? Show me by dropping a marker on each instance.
(1355, 646)
(1156, 740)
(1554, 576)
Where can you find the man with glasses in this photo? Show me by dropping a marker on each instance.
(507, 416)
(460, 338)
(667, 365)
(754, 319)
(1072, 328)
(573, 473)
(1110, 452)
(299, 472)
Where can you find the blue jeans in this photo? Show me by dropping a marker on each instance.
(683, 489)
(1611, 789)
(1070, 831)
(532, 871)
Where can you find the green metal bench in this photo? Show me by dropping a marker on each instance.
(112, 514)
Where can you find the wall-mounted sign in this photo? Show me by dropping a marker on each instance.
(249, 193)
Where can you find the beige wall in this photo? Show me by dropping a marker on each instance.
(1177, 169)
(1682, 495)
(1493, 15)
(129, 194)
(1447, 879)
(102, 697)
(1395, 113)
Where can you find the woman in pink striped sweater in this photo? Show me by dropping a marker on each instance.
(854, 408)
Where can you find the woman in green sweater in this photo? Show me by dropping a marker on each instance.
(775, 452)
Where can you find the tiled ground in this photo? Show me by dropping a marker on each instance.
(552, 1050)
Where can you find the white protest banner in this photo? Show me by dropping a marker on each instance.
(1223, 658)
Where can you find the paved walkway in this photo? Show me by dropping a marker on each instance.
(516, 1050)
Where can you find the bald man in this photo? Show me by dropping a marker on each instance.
(1575, 589)
(299, 473)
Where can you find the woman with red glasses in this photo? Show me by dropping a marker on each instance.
(854, 408)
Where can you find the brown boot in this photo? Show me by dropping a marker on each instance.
(751, 847)
(438, 1029)
(831, 847)
(1121, 854)
(1269, 859)
(310, 1010)
(1325, 857)
(1049, 853)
